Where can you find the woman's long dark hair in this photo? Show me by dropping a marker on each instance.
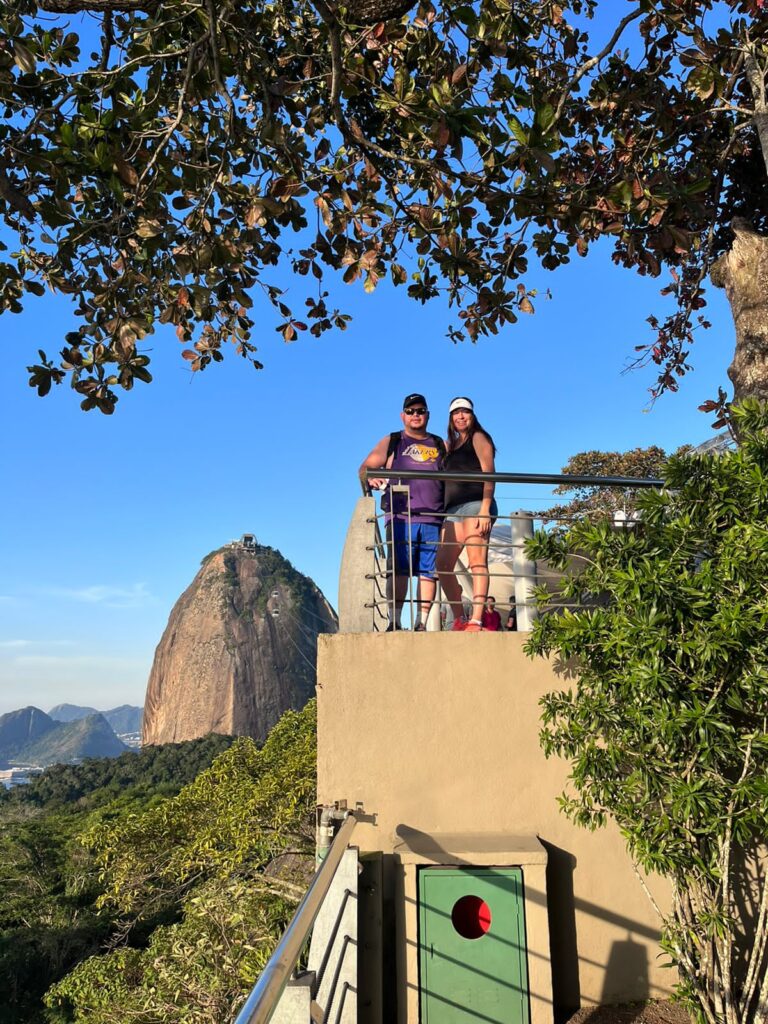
(453, 437)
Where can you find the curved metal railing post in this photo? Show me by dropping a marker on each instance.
(261, 1004)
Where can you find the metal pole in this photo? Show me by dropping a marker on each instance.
(521, 527)
(261, 1004)
(410, 557)
(520, 478)
(392, 581)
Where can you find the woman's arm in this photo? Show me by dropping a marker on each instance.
(484, 452)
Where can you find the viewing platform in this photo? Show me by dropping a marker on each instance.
(366, 603)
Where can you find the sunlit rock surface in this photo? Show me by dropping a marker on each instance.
(239, 648)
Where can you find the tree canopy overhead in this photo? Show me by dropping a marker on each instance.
(161, 178)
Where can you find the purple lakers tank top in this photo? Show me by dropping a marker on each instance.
(426, 495)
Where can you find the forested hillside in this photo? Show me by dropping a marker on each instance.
(49, 881)
(162, 770)
(197, 888)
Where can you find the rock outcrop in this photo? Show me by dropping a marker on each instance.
(239, 648)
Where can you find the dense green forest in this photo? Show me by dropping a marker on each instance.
(97, 781)
(150, 887)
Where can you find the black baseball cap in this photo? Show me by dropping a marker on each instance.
(415, 399)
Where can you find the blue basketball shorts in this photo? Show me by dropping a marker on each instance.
(415, 547)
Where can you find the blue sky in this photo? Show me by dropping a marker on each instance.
(105, 520)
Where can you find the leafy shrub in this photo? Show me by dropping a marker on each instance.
(665, 722)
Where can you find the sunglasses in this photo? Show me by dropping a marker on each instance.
(415, 412)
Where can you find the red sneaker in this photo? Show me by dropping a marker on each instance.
(474, 627)
(459, 625)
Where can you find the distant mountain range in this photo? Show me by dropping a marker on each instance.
(124, 719)
(69, 733)
(71, 741)
(20, 728)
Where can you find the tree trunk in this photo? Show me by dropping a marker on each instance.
(743, 272)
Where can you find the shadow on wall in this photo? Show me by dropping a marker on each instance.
(627, 968)
(748, 868)
(627, 964)
(566, 994)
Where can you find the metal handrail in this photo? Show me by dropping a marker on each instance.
(513, 478)
(265, 994)
(386, 606)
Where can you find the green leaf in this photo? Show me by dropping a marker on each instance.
(702, 81)
(545, 117)
(519, 132)
(23, 58)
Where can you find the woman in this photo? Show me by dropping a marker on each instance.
(470, 511)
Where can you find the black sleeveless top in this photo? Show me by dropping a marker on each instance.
(462, 460)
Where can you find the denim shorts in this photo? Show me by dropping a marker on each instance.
(416, 550)
(458, 513)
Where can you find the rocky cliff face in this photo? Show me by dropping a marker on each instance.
(239, 648)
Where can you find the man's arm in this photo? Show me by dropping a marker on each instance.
(376, 459)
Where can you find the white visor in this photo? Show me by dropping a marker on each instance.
(460, 403)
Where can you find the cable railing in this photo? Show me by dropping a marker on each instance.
(508, 575)
(263, 1001)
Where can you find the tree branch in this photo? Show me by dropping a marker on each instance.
(98, 6)
(15, 198)
(108, 40)
(214, 37)
(647, 891)
(756, 79)
(351, 130)
(587, 66)
(179, 112)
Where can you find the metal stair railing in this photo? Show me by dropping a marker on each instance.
(263, 1000)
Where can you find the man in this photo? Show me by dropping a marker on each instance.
(412, 549)
(491, 618)
(512, 617)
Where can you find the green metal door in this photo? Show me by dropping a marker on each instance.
(472, 956)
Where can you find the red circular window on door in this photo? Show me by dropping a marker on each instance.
(471, 917)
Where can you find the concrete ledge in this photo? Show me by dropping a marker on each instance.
(476, 848)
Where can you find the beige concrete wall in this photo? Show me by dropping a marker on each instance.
(438, 733)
